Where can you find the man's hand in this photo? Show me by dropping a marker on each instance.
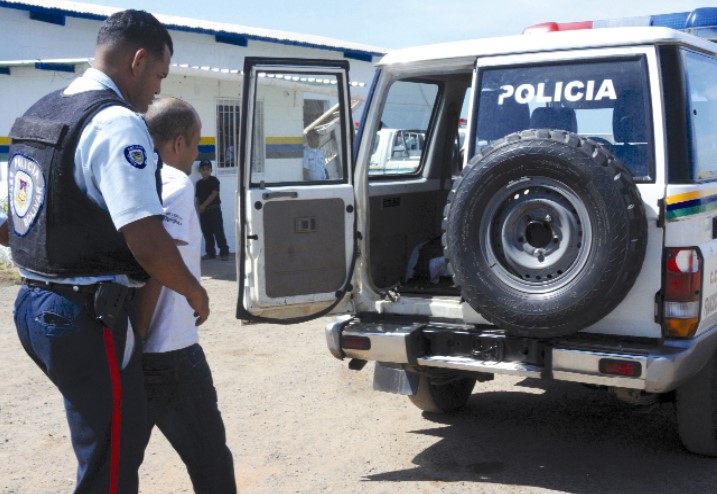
(155, 250)
(210, 198)
(199, 301)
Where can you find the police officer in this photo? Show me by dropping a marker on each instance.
(85, 222)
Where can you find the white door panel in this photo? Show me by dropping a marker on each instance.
(296, 213)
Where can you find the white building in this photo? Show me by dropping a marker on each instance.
(45, 44)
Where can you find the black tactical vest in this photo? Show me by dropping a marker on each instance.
(55, 229)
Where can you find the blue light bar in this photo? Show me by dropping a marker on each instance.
(702, 17)
(700, 22)
(703, 23)
(674, 21)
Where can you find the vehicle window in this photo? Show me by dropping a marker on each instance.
(399, 144)
(701, 72)
(606, 101)
(297, 129)
(459, 150)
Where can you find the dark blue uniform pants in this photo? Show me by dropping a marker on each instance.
(182, 403)
(60, 334)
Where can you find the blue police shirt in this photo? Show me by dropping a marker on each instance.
(115, 166)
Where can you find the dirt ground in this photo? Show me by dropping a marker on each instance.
(298, 421)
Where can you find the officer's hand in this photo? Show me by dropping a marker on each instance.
(199, 301)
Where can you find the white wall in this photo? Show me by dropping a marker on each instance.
(25, 39)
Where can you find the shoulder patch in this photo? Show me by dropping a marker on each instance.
(136, 156)
(27, 192)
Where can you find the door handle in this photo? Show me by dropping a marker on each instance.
(276, 195)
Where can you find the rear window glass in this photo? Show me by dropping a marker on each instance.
(701, 72)
(606, 101)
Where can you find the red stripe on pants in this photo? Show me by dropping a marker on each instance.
(116, 409)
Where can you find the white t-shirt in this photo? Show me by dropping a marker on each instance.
(172, 326)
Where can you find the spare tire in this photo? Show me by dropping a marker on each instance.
(545, 233)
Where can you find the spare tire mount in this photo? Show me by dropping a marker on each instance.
(545, 232)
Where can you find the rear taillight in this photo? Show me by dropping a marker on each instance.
(620, 367)
(681, 300)
(350, 342)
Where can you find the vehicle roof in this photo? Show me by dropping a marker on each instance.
(542, 42)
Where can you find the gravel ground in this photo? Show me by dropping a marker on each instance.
(298, 421)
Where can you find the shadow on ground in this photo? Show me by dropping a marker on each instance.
(568, 439)
(220, 270)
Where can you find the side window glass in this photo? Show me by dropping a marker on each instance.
(459, 146)
(400, 142)
(701, 73)
(297, 130)
(607, 102)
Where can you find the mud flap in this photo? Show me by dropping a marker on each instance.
(392, 378)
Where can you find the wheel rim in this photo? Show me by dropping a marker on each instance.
(536, 235)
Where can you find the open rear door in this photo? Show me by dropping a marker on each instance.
(295, 213)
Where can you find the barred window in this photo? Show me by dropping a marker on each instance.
(227, 132)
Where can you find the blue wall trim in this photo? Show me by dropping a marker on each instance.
(284, 151)
(357, 55)
(198, 30)
(57, 67)
(50, 17)
(36, 9)
(232, 39)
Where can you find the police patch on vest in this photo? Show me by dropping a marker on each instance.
(136, 156)
(27, 192)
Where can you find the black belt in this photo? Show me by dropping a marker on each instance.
(107, 298)
(62, 288)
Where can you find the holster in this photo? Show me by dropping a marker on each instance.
(109, 302)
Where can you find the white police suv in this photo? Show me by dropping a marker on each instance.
(572, 235)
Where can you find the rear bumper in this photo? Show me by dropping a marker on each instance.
(663, 365)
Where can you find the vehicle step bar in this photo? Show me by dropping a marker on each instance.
(472, 365)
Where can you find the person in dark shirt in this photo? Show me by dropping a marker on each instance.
(210, 213)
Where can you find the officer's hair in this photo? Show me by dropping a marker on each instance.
(169, 117)
(134, 29)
